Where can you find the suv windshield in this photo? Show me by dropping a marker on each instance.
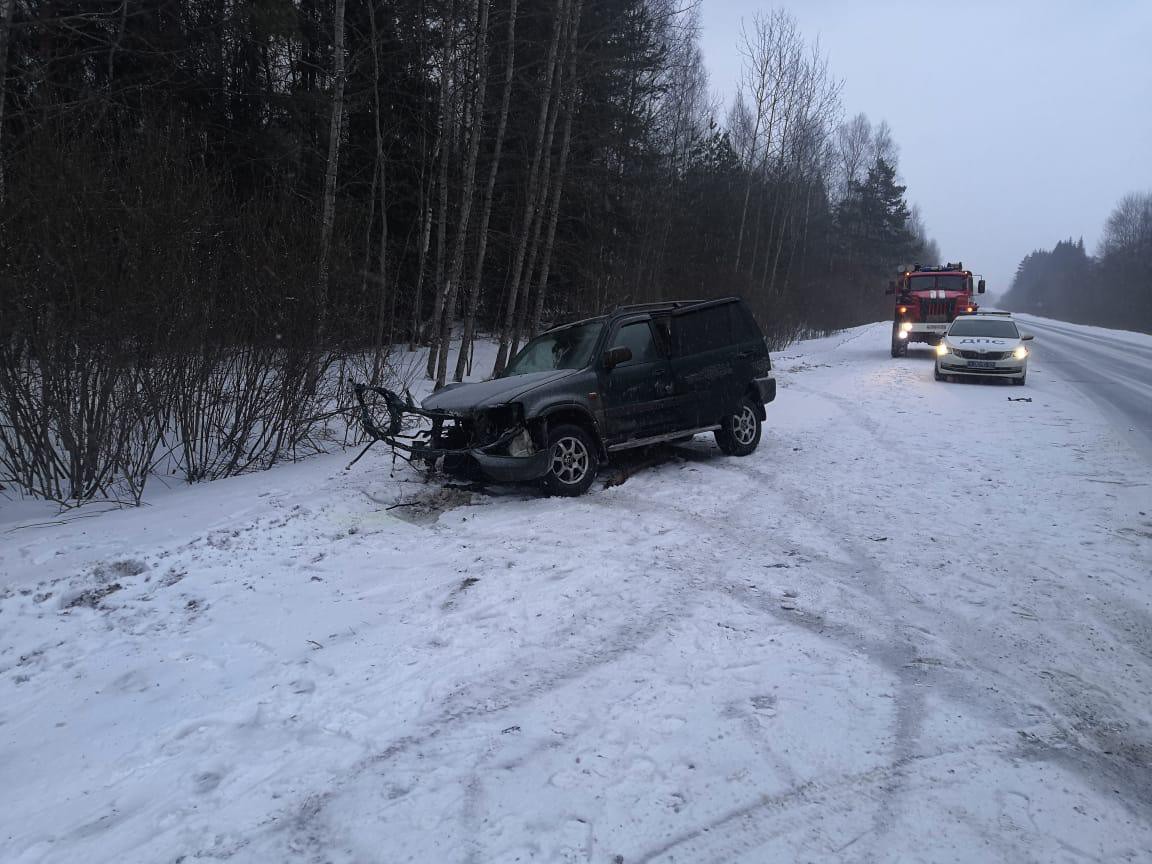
(570, 348)
(984, 327)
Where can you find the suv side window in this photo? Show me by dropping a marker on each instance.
(638, 337)
(703, 330)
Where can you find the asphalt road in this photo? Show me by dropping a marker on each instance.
(1113, 369)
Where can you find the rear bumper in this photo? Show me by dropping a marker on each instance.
(766, 388)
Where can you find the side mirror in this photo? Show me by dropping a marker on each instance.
(613, 357)
(891, 288)
(980, 287)
(1026, 337)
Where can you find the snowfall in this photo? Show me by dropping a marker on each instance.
(915, 625)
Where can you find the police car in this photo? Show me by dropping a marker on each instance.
(987, 344)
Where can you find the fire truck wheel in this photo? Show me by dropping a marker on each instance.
(899, 348)
(739, 432)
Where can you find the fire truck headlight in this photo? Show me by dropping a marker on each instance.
(1020, 353)
(906, 326)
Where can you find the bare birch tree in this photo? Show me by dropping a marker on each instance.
(385, 297)
(473, 300)
(446, 134)
(561, 171)
(542, 193)
(551, 72)
(334, 130)
(9, 7)
(441, 345)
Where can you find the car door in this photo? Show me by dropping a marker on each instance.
(703, 364)
(637, 393)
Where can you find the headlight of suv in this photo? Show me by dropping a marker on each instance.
(521, 445)
(1020, 353)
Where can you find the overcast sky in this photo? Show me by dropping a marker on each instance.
(1019, 122)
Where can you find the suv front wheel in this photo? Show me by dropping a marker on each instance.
(739, 432)
(573, 463)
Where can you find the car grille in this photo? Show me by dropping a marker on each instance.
(985, 355)
(937, 311)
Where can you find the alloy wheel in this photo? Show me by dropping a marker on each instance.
(570, 460)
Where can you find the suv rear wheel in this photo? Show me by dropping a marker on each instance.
(739, 432)
(573, 461)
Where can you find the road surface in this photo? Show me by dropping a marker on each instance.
(1114, 368)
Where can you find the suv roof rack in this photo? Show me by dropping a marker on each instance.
(663, 304)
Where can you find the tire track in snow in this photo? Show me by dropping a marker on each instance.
(752, 826)
(1103, 758)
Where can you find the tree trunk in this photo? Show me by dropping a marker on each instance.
(541, 196)
(447, 120)
(561, 171)
(5, 29)
(382, 290)
(328, 215)
(422, 265)
(451, 289)
(530, 195)
(463, 361)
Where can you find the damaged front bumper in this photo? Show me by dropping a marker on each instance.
(497, 441)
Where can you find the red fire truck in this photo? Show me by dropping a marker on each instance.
(928, 299)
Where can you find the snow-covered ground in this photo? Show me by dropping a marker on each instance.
(915, 625)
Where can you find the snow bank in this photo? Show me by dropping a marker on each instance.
(915, 625)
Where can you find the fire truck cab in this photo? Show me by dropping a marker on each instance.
(928, 299)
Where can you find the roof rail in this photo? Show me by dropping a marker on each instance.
(664, 304)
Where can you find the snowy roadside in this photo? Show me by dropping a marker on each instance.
(915, 624)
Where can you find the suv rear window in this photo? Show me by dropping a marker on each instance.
(707, 329)
(744, 326)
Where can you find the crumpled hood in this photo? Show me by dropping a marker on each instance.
(467, 398)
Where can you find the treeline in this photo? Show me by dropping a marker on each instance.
(1111, 289)
(214, 212)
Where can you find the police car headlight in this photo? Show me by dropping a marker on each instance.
(1020, 353)
(942, 349)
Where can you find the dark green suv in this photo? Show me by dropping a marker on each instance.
(577, 394)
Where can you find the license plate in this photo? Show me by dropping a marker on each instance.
(981, 364)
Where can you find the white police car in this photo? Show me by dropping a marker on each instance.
(987, 344)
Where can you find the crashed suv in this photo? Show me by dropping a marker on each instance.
(577, 394)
